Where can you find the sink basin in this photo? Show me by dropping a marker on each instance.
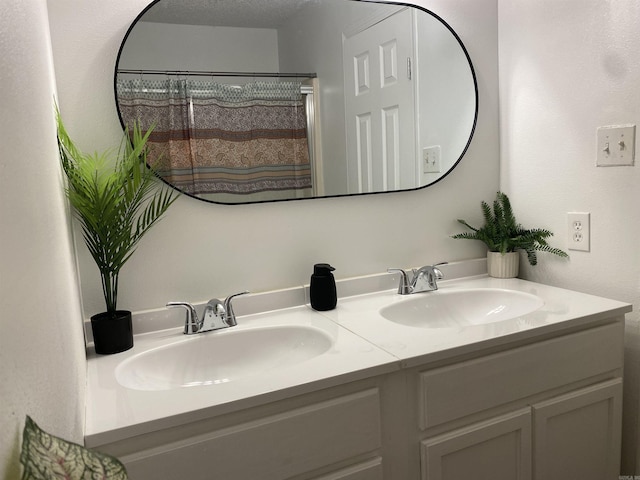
(455, 308)
(219, 357)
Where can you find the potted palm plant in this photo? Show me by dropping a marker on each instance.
(504, 237)
(117, 199)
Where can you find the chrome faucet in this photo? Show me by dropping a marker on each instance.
(425, 279)
(216, 315)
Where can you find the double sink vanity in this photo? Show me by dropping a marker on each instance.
(484, 378)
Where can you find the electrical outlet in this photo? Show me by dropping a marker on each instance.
(431, 159)
(579, 231)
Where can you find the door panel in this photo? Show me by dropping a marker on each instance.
(379, 89)
(498, 449)
(578, 435)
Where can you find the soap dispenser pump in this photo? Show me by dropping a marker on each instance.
(323, 288)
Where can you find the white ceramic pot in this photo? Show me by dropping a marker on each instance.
(503, 265)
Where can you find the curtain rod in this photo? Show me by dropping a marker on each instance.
(218, 74)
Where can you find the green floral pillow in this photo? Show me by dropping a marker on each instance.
(45, 457)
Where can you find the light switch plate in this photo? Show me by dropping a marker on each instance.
(431, 159)
(616, 145)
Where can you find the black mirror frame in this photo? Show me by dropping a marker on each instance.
(444, 175)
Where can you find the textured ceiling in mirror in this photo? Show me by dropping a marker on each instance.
(232, 13)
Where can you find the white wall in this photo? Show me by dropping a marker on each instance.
(567, 67)
(201, 250)
(162, 46)
(42, 363)
(446, 101)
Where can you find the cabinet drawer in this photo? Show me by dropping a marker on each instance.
(470, 387)
(371, 470)
(275, 447)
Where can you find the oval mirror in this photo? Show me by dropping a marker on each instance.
(254, 101)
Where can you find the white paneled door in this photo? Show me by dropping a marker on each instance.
(380, 105)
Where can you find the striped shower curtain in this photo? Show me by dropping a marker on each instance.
(213, 138)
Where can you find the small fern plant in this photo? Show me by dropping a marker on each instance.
(502, 233)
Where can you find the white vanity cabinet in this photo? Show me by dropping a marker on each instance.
(545, 411)
(332, 435)
(539, 409)
(535, 397)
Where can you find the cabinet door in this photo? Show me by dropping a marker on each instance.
(497, 449)
(578, 435)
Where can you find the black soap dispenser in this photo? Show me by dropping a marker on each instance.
(323, 288)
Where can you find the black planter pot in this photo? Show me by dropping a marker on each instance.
(112, 334)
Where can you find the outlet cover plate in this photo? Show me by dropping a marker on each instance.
(579, 231)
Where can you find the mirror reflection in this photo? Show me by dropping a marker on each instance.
(254, 100)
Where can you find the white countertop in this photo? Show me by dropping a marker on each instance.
(365, 344)
(562, 310)
(115, 412)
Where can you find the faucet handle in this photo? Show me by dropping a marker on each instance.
(230, 316)
(403, 288)
(191, 319)
(438, 273)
